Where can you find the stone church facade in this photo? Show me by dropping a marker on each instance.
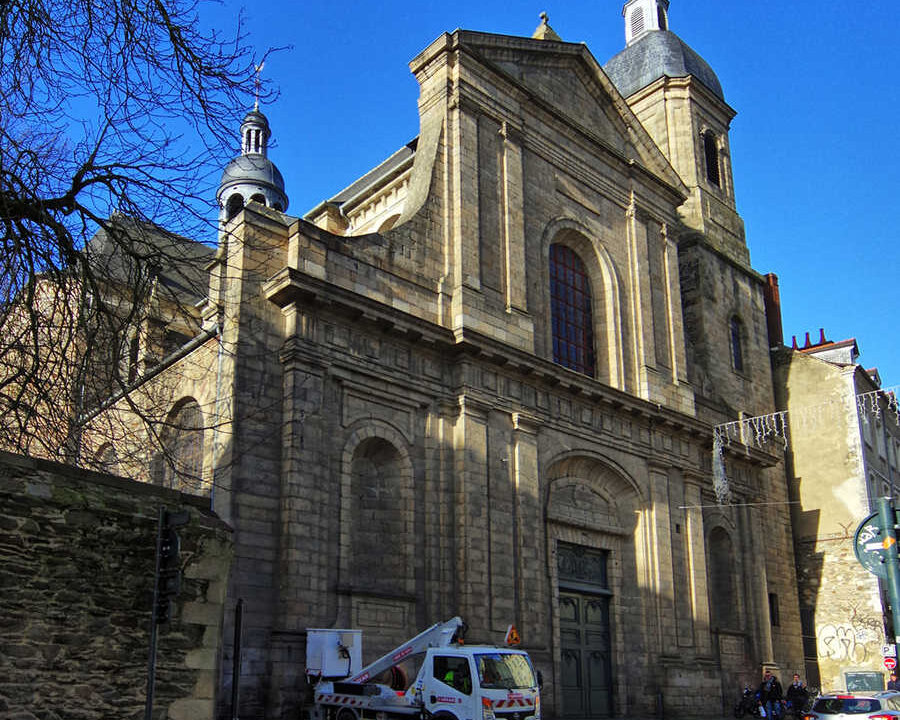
(483, 380)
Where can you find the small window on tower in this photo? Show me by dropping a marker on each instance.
(711, 151)
(736, 332)
(661, 17)
(234, 206)
(637, 22)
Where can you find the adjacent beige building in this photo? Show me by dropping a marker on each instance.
(842, 454)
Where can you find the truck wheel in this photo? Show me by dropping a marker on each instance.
(346, 714)
(443, 716)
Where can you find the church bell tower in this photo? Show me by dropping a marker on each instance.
(679, 100)
(251, 175)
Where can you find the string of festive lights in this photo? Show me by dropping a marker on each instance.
(759, 430)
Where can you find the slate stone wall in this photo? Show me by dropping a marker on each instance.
(77, 556)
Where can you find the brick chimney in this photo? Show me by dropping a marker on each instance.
(773, 311)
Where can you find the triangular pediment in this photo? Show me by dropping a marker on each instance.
(567, 80)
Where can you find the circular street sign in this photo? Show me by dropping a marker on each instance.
(869, 546)
(890, 663)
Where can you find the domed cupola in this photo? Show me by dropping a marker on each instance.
(678, 99)
(654, 52)
(251, 175)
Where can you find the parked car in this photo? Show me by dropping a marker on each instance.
(857, 705)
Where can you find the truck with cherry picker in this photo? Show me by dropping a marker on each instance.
(433, 676)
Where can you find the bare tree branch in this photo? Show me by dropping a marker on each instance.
(115, 116)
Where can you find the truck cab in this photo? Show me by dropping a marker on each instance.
(477, 682)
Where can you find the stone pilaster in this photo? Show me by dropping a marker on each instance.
(752, 531)
(467, 217)
(661, 551)
(696, 557)
(531, 589)
(514, 219)
(471, 510)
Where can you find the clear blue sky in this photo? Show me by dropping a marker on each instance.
(813, 144)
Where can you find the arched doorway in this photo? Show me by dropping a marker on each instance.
(592, 508)
(585, 632)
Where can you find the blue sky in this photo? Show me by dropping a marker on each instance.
(815, 165)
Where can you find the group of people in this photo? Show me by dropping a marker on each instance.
(773, 701)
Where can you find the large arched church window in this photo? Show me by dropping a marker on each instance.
(180, 464)
(571, 311)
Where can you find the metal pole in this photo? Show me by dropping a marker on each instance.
(886, 439)
(887, 521)
(151, 658)
(236, 659)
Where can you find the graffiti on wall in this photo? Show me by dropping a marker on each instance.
(854, 641)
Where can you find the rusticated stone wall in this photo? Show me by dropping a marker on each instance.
(77, 554)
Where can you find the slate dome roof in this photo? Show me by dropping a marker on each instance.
(253, 168)
(660, 53)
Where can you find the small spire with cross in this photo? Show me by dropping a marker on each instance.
(544, 31)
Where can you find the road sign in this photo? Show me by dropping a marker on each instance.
(871, 547)
(889, 650)
(512, 636)
(890, 663)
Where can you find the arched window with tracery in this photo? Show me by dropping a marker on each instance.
(179, 465)
(571, 308)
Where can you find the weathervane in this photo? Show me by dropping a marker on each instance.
(257, 84)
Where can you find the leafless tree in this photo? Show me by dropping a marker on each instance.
(115, 118)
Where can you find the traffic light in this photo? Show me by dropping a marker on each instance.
(168, 563)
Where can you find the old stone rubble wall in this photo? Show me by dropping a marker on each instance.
(77, 554)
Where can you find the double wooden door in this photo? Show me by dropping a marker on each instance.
(586, 654)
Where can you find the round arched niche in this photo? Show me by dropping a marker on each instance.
(377, 492)
(721, 569)
(178, 464)
(586, 492)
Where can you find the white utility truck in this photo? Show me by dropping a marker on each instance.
(432, 675)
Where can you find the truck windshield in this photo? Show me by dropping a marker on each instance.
(504, 671)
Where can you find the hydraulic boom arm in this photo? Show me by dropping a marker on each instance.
(438, 635)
